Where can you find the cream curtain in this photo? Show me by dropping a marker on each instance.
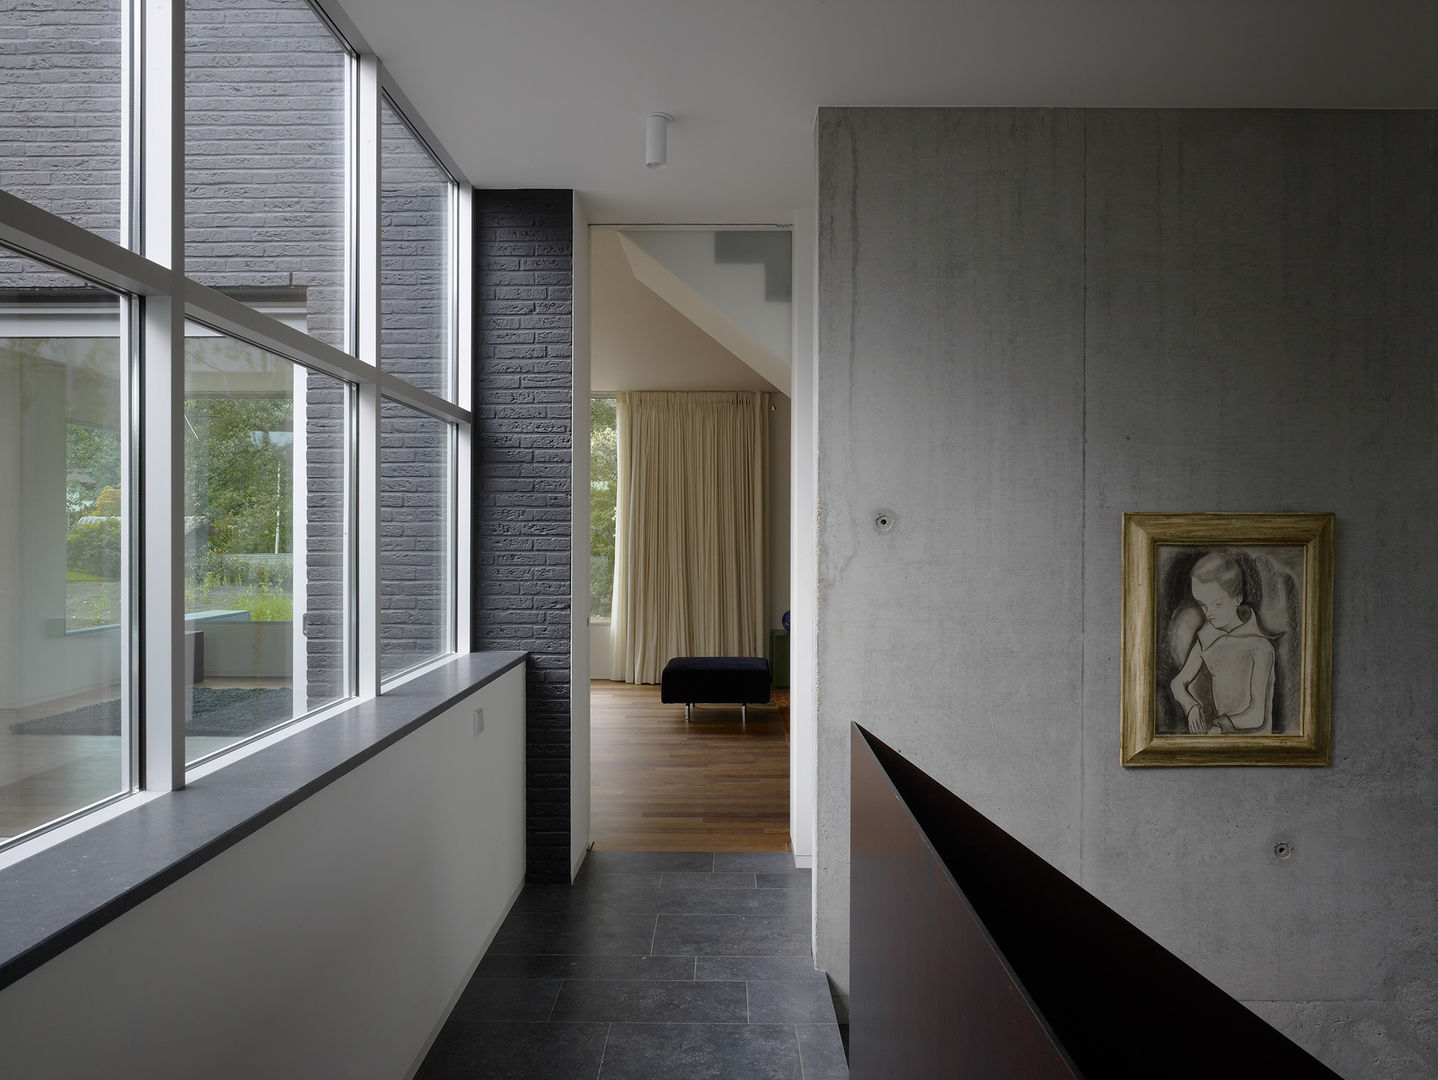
(689, 539)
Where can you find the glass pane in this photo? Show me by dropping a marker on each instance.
(61, 83)
(414, 261)
(603, 488)
(265, 541)
(64, 711)
(265, 91)
(415, 565)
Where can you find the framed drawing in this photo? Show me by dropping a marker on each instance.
(1227, 639)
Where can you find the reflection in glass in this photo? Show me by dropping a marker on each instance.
(416, 565)
(265, 541)
(60, 139)
(64, 703)
(414, 261)
(265, 91)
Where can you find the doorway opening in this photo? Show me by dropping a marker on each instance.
(685, 311)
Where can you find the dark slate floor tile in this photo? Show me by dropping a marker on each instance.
(788, 879)
(577, 902)
(769, 862)
(822, 1052)
(768, 968)
(506, 999)
(653, 1002)
(701, 1052)
(733, 902)
(591, 876)
(551, 966)
(615, 893)
(791, 1001)
(689, 880)
(637, 861)
(514, 1051)
(609, 933)
(732, 935)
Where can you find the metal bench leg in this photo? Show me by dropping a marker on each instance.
(744, 713)
(687, 706)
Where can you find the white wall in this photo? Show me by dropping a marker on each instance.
(41, 661)
(803, 539)
(580, 644)
(1032, 321)
(601, 655)
(330, 943)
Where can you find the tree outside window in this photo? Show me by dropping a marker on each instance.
(603, 484)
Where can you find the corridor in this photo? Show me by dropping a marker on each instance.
(652, 965)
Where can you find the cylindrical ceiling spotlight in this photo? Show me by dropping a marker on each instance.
(656, 139)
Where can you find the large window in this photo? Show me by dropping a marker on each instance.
(266, 86)
(265, 466)
(416, 563)
(287, 408)
(64, 568)
(414, 261)
(62, 138)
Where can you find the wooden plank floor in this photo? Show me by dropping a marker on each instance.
(658, 784)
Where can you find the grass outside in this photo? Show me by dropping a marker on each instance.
(93, 601)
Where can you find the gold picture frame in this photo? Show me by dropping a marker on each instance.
(1227, 639)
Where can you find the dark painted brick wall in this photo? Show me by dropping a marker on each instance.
(524, 447)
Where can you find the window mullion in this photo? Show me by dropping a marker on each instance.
(162, 329)
(367, 296)
(461, 290)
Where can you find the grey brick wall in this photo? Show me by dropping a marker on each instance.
(414, 240)
(60, 72)
(264, 153)
(326, 458)
(524, 445)
(415, 614)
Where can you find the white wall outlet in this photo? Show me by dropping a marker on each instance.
(478, 721)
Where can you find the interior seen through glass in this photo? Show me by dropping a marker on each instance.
(63, 486)
(265, 527)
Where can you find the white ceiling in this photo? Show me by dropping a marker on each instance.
(553, 93)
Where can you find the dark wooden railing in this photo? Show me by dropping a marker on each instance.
(971, 957)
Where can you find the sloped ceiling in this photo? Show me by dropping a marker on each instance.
(639, 342)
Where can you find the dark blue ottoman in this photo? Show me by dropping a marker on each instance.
(715, 680)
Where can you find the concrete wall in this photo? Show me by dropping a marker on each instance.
(1032, 321)
(332, 942)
